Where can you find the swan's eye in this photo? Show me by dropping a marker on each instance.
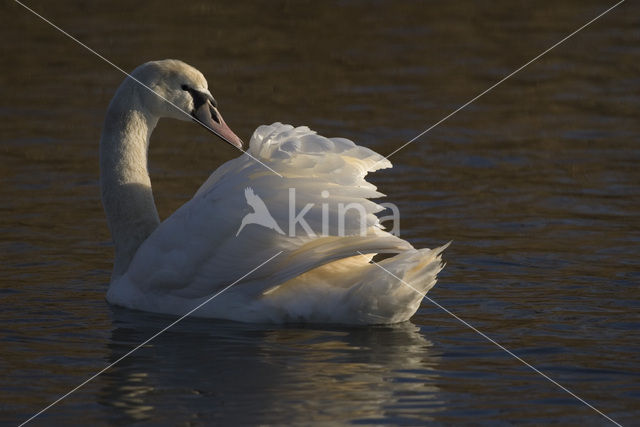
(185, 87)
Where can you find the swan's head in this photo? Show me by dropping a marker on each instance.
(183, 94)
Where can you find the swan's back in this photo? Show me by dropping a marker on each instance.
(319, 275)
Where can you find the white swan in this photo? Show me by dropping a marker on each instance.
(173, 266)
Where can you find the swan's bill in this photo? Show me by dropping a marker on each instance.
(210, 117)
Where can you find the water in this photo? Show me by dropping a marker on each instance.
(537, 184)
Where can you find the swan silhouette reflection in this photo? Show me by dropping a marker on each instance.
(224, 372)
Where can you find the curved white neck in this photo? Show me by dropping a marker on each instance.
(124, 177)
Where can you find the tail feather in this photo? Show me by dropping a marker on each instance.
(368, 293)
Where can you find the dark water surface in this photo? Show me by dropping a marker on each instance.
(537, 184)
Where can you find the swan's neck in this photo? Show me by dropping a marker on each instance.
(124, 176)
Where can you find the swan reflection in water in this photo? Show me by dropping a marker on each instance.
(224, 372)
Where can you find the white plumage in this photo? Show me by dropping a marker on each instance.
(209, 243)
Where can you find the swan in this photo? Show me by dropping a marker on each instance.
(312, 219)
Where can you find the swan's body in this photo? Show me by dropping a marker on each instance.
(213, 240)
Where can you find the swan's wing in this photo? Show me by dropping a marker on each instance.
(321, 202)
